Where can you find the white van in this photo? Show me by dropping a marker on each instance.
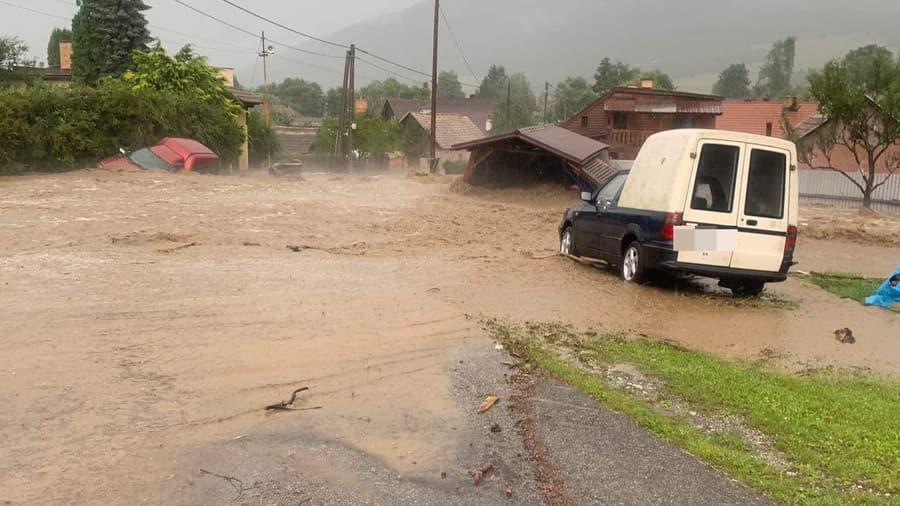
(708, 202)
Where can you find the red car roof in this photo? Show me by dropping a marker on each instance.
(186, 153)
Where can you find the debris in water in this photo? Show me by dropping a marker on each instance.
(488, 403)
(496, 428)
(286, 405)
(844, 335)
(295, 249)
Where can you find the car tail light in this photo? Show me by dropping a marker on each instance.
(672, 220)
(791, 242)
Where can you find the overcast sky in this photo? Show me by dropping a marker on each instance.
(223, 45)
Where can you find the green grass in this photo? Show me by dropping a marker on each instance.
(844, 284)
(838, 430)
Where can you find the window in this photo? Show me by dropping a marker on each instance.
(584, 122)
(768, 129)
(684, 122)
(619, 121)
(610, 192)
(716, 175)
(765, 184)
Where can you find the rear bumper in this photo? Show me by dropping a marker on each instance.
(666, 260)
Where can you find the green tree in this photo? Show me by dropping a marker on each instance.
(12, 56)
(263, 141)
(448, 85)
(332, 101)
(494, 83)
(184, 73)
(56, 36)
(306, 97)
(572, 95)
(610, 75)
(377, 92)
(862, 112)
(775, 75)
(373, 137)
(734, 82)
(520, 108)
(105, 33)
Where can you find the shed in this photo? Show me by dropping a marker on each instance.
(540, 154)
(452, 129)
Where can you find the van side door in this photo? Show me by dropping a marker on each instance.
(764, 203)
(712, 200)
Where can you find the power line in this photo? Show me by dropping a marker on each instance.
(313, 37)
(35, 11)
(248, 32)
(379, 67)
(453, 36)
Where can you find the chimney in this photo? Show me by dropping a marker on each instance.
(65, 55)
(647, 83)
(790, 104)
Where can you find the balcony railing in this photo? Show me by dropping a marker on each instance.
(629, 137)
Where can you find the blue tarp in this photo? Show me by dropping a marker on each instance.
(886, 295)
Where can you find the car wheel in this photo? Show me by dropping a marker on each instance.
(747, 288)
(631, 268)
(567, 242)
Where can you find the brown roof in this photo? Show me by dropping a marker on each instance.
(451, 128)
(752, 116)
(245, 97)
(476, 109)
(554, 139)
(626, 99)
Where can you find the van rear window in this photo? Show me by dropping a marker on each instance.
(716, 176)
(765, 184)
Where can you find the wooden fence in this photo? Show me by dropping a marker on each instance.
(824, 187)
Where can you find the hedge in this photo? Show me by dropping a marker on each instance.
(53, 128)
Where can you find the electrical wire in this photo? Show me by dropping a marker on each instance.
(456, 42)
(379, 67)
(267, 20)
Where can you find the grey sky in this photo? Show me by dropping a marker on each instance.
(221, 44)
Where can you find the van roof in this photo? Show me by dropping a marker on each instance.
(696, 134)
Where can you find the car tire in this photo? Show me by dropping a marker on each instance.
(567, 242)
(631, 267)
(747, 288)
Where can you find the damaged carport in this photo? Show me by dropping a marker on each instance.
(540, 154)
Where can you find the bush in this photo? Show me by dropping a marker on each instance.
(263, 140)
(45, 128)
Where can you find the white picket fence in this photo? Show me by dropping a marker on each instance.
(825, 187)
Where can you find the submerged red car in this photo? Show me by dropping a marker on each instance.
(170, 153)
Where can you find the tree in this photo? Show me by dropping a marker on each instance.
(374, 137)
(184, 73)
(105, 33)
(734, 82)
(332, 102)
(862, 112)
(305, 97)
(572, 95)
(12, 56)
(775, 75)
(377, 92)
(56, 36)
(610, 75)
(448, 85)
(521, 108)
(494, 83)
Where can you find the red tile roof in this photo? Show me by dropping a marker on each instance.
(751, 116)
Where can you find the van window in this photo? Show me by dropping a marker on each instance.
(610, 192)
(716, 175)
(765, 184)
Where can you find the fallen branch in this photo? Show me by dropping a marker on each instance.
(237, 484)
(173, 250)
(545, 257)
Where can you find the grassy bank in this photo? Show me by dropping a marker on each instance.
(845, 285)
(836, 435)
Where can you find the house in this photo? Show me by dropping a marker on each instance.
(539, 154)
(765, 117)
(479, 111)
(452, 129)
(248, 101)
(625, 116)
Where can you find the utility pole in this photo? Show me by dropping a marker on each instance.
(434, 76)
(546, 94)
(342, 110)
(352, 99)
(508, 104)
(264, 54)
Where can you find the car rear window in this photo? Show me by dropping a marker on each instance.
(716, 176)
(765, 184)
(146, 159)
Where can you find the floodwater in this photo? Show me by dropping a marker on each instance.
(144, 314)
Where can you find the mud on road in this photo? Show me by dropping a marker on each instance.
(147, 318)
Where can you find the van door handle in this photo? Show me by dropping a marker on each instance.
(752, 223)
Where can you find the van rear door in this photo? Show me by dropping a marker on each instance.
(712, 201)
(763, 209)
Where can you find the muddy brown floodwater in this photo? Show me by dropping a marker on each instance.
(144, 314)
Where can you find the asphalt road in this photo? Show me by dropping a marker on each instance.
(601, 457)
